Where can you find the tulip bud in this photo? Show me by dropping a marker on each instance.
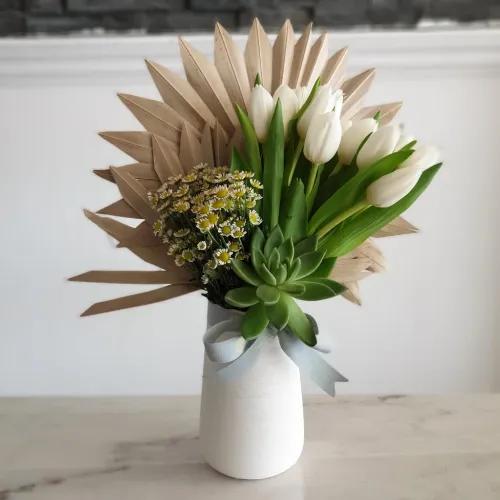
(422, 158)
(354, 136)
(302, 94)
(323, 135)
(322, 103)
(379, 144)
(261, 111)
(390, 188)
(289, 103)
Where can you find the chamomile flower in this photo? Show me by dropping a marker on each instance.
(181, 206)
(225, 228)
(238, 232)
(202, 245)
(256, 184)
(188, 255)
(222, 256)
(158, 225)
(254, 218)
(179, 261)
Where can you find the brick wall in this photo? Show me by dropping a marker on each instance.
(20, 17)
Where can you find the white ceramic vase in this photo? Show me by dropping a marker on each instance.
(252, 426)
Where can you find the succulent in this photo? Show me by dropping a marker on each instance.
(280, 272)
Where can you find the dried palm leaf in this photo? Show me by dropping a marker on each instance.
(396, 227)
(316, 61)
(135, 144)
(259, 56)
(300, 55)
(181, 96)
(205, 79)
(166, 161)
(230, 64)
(334, 69)
(283, 50)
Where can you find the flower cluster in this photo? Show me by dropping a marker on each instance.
(206, 216)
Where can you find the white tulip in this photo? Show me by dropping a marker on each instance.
(379, 144)
(289, 103)
(261, 111)
(323, 135)
(422, 158)
(354, 136)
(403, 141)
(302, 94)
(323, 102)
(390, 188)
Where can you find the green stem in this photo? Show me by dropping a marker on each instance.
(290, 168)
(356, 208)
(312, 179)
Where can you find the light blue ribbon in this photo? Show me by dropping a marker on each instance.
(225, 347)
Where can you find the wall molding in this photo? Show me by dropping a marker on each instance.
(76, 60)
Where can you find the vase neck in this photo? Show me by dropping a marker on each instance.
(216, 314)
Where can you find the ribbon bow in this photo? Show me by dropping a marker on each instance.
(225, 347)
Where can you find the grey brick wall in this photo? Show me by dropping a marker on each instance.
(24, 17)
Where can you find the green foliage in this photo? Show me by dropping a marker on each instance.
(293, 216)
(237, 162)
(273, 153)
(281, 271)
(354, 189)
(251, 143)
(357, 229)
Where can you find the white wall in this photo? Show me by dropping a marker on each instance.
(430, 324)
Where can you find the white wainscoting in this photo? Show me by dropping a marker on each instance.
(430, 324)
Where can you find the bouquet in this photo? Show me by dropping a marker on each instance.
(262, 181)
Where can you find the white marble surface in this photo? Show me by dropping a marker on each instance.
(388, 447)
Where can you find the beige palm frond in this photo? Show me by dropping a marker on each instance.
(194, 121)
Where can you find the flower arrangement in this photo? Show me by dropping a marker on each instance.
(260, 180)
(263, 181)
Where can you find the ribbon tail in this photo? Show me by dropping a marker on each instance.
(311, 363)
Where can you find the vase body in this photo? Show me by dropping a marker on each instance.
(251, 422)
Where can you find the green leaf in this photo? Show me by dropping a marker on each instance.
(281, 274)
(286, 250)
(237, 162)
(251, 143)
(274, 261)
(293, 213)
(292, 288)
(355, 230)
(273, 152)
(254, 321)
(275, 239)
(268, 294)
(241, 297)
(307, 245)
(332, 183)
(278, 313)
(245, 272)
(294, 270)
(354, 189)
(319, 289)
(309, 262)
(266, 274)
(299, 323)
(325, 268)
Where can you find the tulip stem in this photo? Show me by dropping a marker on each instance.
(310, 183)
(290, 168)
(355, 209)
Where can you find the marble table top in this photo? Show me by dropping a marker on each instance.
(387, 447)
